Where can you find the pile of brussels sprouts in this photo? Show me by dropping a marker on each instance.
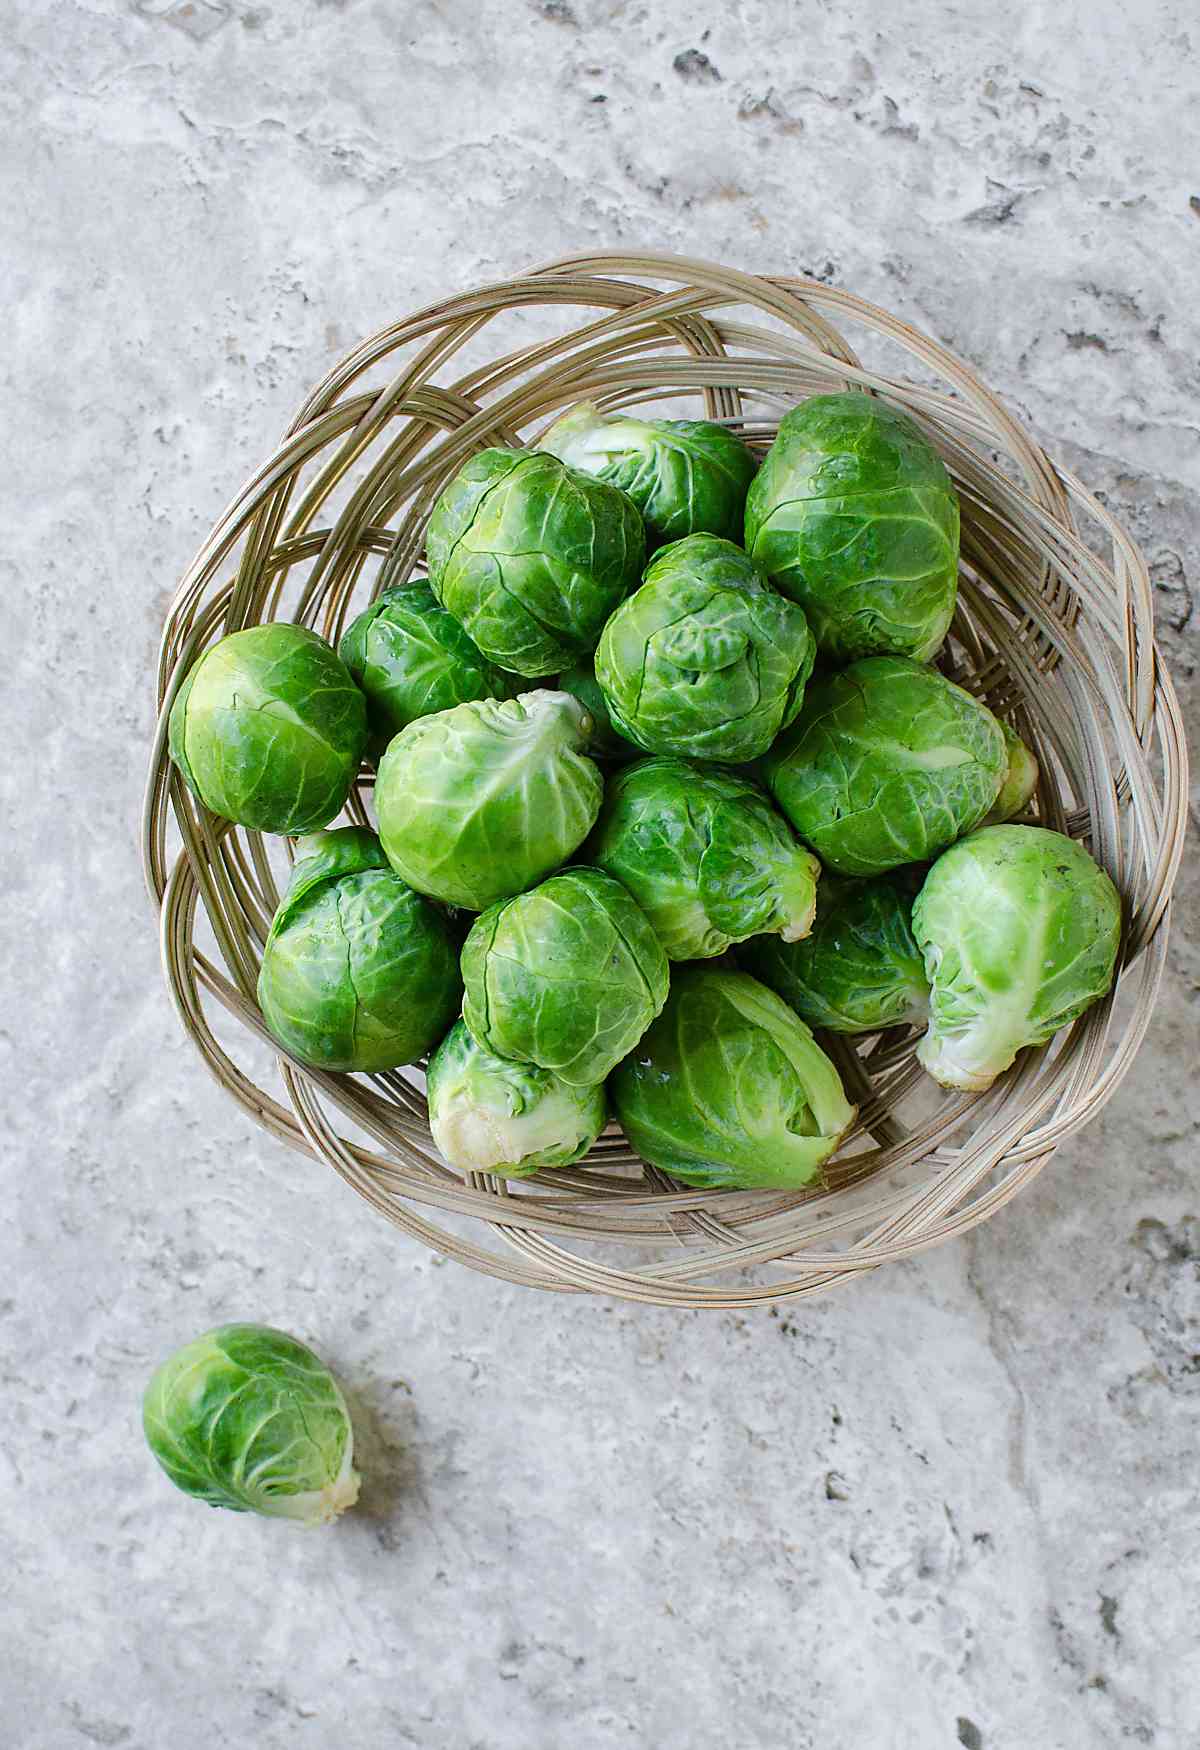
(665, 724)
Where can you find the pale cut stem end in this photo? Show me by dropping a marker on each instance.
(936, 1055)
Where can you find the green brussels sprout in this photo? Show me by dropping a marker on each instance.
(705, 855)
(729, 1089)
(686, 476)
(568, 976)
(1020, 930)
(531, 557)
(490, 1115)
(268, 729)
(705, 659)
(860, 970)
(359, 972)
(888, 763)
(1020, 780)
(854, 515)
(248, 1418)
(606, 743)
(411, 658)
(476, 803)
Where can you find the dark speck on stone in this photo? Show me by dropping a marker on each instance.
(693, 64)
(1194, 203)
(969, 1734)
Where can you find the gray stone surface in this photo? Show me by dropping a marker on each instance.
(954, 1507)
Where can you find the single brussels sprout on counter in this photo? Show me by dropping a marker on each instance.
(268, 729)
(729, 1089)
(705, 855)
(605, 743)
(359, 972)
(248, 1418)
(490, 1115)
(531, 557)
(888, 763)
(860, 970)
(568, 976)
(705, 659)
(411, 658)
(479, 802)
(686, 476)
(854, 515)
(1020, 780)
(1020, 930)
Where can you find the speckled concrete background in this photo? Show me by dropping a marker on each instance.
(956, 1507)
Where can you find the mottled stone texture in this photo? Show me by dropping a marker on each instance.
(956, 1506)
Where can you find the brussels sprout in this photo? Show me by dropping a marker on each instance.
(411, 658)
(248, 1418)
(1020, 780)
(729, 1088)
(854, 516)
(489, 1115)
(860, 970)
(705, 855)
(532, 557)
(888, 763)
(686, 476)
(605, 743)
(1020, 930)
(706, 659)
(268, 729)
(479, 802)
(359, 972)
(567, 977)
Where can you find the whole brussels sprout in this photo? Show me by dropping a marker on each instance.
(1020, 780)
(411, 658)
(531, 557)
(568, 976)
(854, 515)
(605, 743)
(705, 659)
(268, 729)
(248, 1418)
(479, 802)
(490, 1115)
(888, 763)
(1020, 931)
(686, 476)
(860, 970)
(729, 1089)
(359, 972)
(705, 855)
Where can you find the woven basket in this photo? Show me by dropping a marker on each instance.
(1054, 629)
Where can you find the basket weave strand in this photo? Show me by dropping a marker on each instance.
(1053, 630)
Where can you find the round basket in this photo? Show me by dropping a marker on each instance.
(1054, 629)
